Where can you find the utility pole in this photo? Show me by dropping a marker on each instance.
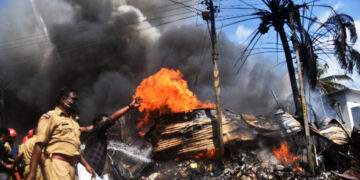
(209, 16)
(306, 121)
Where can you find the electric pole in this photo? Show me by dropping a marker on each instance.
(306, 122)
(209, 16)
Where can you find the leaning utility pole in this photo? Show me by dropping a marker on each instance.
(306, 122)
(209, 16)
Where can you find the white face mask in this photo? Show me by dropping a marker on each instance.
(67, 105)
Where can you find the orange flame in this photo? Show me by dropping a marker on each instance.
(211, 154)
(141, 133)
(283, 154)
(165, 92)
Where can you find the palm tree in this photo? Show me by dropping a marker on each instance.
(337, 26)
(330, 83)
(335, 30)
(276, 15)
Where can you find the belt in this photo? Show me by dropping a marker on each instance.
(66, 158)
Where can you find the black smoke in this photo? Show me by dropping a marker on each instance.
(105, 48)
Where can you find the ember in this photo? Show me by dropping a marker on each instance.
(141, 133)
(211, 154)
(166, 92)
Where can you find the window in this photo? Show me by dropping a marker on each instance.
(355, 111)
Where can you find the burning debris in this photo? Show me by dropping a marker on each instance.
(179, 138)
(283, 154)
(186, 134)
(245, 165)
(257, 150)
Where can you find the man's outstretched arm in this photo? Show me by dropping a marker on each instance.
(86, 129)
(135, 103)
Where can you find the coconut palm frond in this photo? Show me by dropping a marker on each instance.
(337, 25)
(338, 77)
(354, 55)
(330, 83)
(322, 69)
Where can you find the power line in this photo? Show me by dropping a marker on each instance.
(42, 39)
(40, 36)
(94, 43)
(163, 7)
(236, 22)
(186, 6)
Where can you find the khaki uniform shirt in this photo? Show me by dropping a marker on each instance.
(27, 148)
(59, 133)
(8, 147)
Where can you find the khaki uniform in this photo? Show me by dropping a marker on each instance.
(8, 147)
(61, 135)
(27, 149)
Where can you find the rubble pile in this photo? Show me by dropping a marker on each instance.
(246, 165)
(182, 146)
(188, 133)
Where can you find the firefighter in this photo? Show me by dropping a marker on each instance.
(28, 136)
(10, 140)
(59, 135)
(12, 151)
(25, 153)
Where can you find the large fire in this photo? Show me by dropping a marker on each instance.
(284, 155)
(166, 92)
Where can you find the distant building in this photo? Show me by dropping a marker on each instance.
(346, 103)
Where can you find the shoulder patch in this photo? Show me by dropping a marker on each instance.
(47, 115)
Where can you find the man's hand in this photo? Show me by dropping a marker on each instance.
(91, 171)
(135, 103)
(8, 166)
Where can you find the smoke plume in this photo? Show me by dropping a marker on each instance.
(105, 48)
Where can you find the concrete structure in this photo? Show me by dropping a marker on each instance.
(346, 103)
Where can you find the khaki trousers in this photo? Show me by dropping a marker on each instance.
(39, 175)
(56, 169)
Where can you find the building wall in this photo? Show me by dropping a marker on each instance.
(341, 98)
(353, 100)
(347, 99)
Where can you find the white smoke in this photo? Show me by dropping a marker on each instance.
(147, 31)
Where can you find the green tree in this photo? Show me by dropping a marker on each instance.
(330, 83)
